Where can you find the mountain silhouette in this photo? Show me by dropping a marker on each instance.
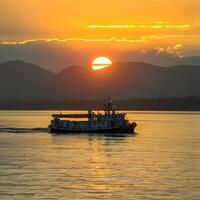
(125, 80)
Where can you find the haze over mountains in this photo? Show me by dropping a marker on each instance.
(126, 80)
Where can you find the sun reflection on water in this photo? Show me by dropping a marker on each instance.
(160, 160)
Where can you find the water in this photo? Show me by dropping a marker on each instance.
(162, 161)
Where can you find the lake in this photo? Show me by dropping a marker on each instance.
(161, 161)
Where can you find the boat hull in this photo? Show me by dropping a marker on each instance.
(120, 130)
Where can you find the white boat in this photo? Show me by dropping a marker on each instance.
(112, 120)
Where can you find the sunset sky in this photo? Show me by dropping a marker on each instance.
(57, 33)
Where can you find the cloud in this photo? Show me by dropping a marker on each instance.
(113, 39)
(171, 50)
(156, 25)
(112, 26)
(165, 36)
(55, 55)
(161, 55)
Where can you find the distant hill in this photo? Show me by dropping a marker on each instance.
(170, 60)
(189, 60)
(158, 104)
(127, 80)
(20, 80)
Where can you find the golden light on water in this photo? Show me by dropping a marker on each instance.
(101, 63)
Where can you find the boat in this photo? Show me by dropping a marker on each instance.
(109, 121)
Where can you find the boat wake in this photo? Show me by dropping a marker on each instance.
(23, 130)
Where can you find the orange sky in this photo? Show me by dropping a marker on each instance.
(24, 19)
(165, 25)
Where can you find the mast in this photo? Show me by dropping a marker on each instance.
(108, 105)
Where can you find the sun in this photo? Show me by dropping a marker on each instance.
(100, 63)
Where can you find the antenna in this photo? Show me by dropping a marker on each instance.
(61, 111)
(109, 104)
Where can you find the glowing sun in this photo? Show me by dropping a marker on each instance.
(100, 63)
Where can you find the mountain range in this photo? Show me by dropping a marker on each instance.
(126, 80)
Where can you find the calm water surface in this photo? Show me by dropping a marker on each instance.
(162, 161)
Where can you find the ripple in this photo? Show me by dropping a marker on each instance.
(23, 130)
(161, 162)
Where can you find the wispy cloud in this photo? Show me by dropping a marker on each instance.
(160, 37)
(113, 39)
(156, 25)
(139, 39)
(112, 26)
(182, 26)
(173, 50)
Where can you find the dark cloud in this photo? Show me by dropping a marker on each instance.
(56, 55)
